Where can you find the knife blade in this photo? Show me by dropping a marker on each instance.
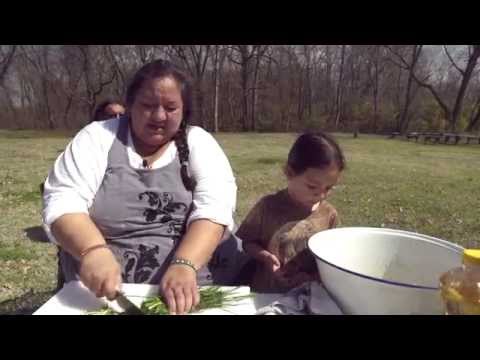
(126, 305)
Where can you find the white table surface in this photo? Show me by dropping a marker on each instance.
(75, 299)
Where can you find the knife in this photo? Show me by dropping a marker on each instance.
(128, 307)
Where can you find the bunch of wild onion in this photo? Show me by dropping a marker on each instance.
(103, 311)
(210, 297)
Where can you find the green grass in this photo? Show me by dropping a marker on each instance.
(431, 189)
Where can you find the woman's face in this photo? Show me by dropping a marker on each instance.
(157, 111)
(114, 110)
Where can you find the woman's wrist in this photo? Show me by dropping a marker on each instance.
(184, 262)
(91, 249)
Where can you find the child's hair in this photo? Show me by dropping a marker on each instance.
(315, 150)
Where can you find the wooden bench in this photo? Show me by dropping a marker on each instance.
(434, 137)
(458, 137)
(472, 137)
(413, 135)
(437, 136)
(393, 134)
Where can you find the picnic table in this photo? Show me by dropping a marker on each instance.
(472, 137)
(413, 135)
(432, 136)
(457, 137)
(393, 134)
(437, 136)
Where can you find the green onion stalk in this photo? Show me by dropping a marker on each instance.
(212, 297)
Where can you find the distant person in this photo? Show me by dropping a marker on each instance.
(108, 109)
(276, 230)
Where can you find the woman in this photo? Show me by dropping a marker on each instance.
(146, 200)
(108, 109)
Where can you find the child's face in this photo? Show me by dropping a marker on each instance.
(313, 186)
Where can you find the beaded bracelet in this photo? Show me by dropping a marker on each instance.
(181, 261)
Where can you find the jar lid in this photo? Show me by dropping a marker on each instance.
(472, 256)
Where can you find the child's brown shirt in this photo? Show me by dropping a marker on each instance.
(278, 224)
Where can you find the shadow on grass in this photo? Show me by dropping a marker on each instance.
(36, 233)
(26, 304)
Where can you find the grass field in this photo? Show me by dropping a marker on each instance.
(431, 189)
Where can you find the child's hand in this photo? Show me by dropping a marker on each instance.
(270, 261)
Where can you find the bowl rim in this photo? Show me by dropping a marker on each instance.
(431, 239)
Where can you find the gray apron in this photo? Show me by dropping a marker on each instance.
(142, 214)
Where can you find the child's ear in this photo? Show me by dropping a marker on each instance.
(288, 171)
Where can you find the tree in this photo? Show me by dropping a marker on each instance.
(39, 59)
(98, 72)
(474, 120)
(220, 54)
(6, 59)
(248, 57)
(339, 96)
(404, 117)
(195, 58)
(451, 113)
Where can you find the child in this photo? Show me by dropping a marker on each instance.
(275, 232)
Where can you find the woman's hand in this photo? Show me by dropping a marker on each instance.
(179, 289)
(101, 273)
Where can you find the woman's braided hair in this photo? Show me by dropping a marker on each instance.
(162, 69)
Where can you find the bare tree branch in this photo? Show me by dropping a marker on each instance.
(422, 83)
(400, 57)
(6, 62)
(452, 61)
(180, 52)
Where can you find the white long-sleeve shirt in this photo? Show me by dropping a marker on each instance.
(78, 173)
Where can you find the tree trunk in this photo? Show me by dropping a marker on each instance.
(474, 119)
(338, 102)
(328, 81)
(375, 90)
(6, 63)
(416, 50)
(300, 103)
(308, 95)
(217, 85)
(244, 83)
(199, 100)
(255, 94)
(467, 74)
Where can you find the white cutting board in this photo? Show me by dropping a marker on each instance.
(76, 299)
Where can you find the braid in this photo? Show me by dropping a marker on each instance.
(183, 154)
